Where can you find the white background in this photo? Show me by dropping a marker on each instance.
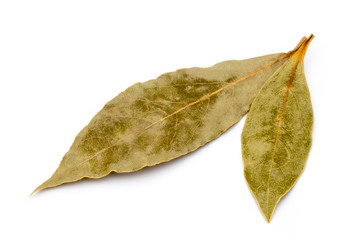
(61, 61)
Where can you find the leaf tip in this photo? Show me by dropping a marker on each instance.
(267, 216)
(36, 189)
(32, 193)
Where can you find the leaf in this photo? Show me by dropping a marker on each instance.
(158, 120)
(277, 135)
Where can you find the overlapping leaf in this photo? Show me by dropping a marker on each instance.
(277, 135)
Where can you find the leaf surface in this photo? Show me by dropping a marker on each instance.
(159, 120)
(277, 135)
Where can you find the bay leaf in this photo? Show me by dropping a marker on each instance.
(159, 120)
(277, 135)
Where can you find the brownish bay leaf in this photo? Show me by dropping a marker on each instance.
(158, 120)
(277, 135)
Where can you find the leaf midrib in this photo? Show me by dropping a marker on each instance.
(300, 56)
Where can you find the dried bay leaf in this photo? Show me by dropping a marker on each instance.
(277, 135)
(159, 120)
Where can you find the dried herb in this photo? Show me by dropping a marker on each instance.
(277, 135)
(159, 120)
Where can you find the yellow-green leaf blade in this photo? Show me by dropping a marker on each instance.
(161, 119)
(277, 135)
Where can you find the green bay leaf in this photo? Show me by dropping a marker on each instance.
(277, 135)
(159, 120)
